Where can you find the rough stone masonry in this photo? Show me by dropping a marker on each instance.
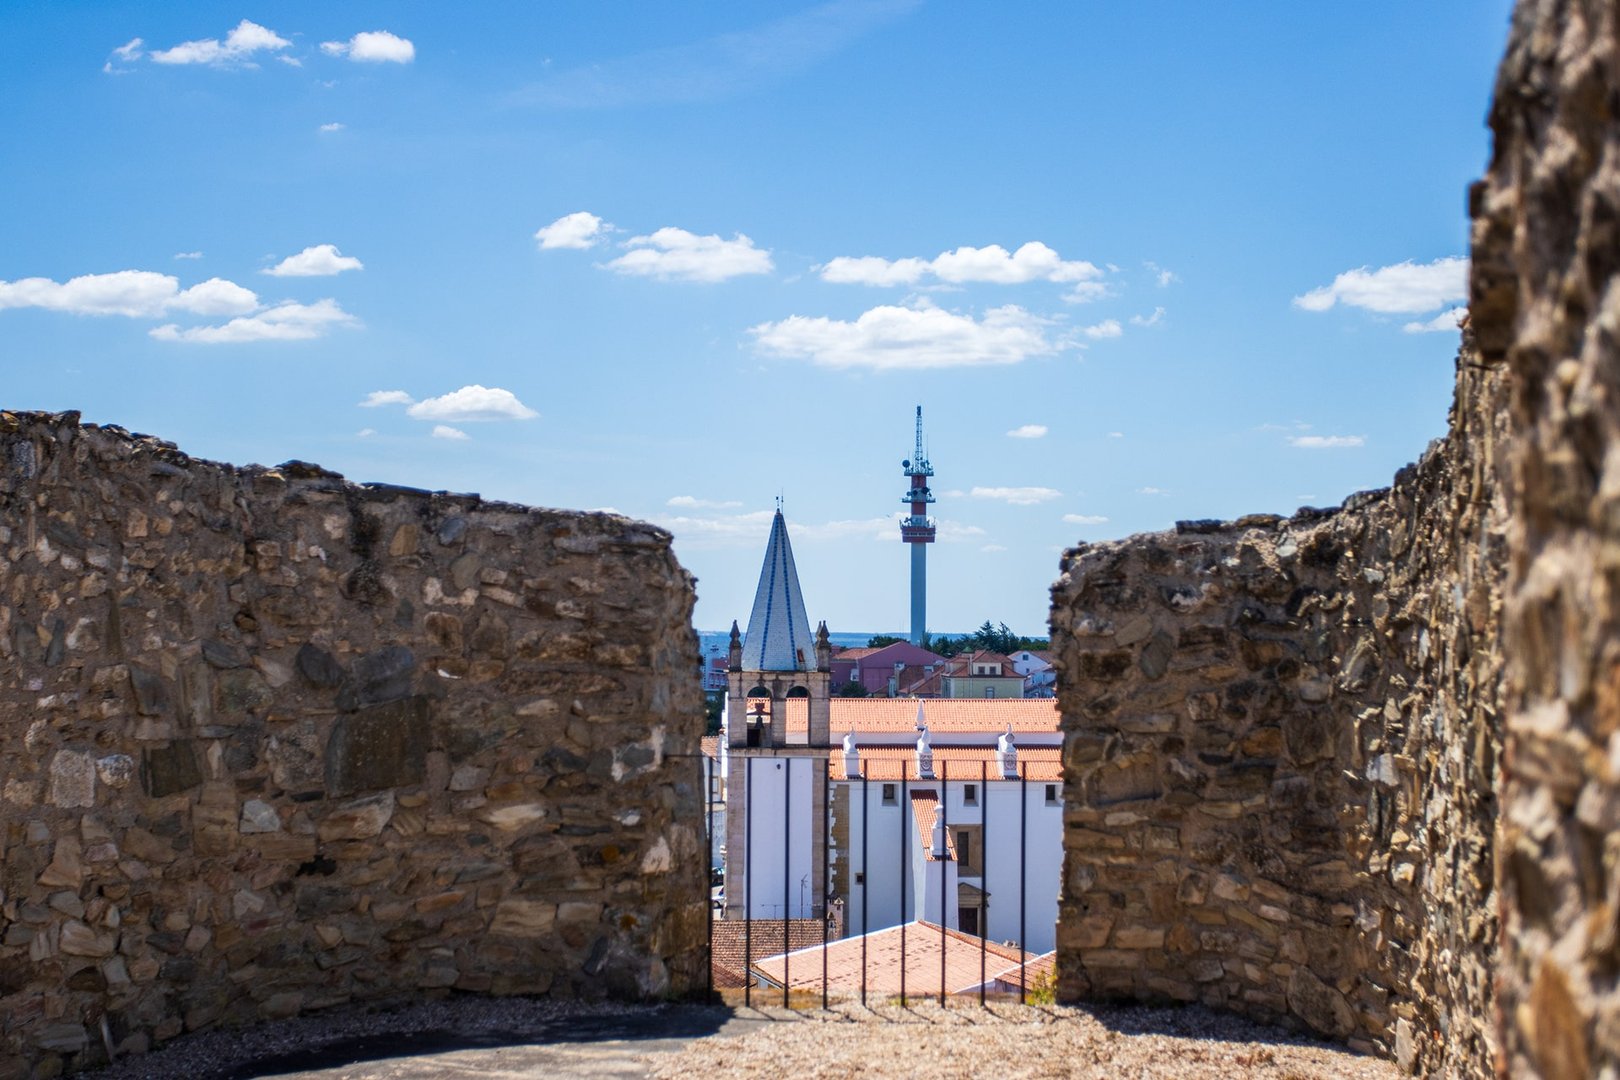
(271, 741)
(1360, 770)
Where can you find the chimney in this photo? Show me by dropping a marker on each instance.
(1007, 755)
(941, 852)
(852, 757)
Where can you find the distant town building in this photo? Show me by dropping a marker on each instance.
(980, 674)
(883, 671)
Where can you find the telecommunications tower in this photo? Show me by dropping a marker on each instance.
(917, 529)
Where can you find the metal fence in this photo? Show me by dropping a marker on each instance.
(758, 829)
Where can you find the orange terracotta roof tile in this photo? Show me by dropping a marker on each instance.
(924, 805)
(943, 714)
(965, 958)
(711, 746)
(765, 938)
(1035, 763)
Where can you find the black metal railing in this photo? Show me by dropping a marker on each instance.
(740, 871)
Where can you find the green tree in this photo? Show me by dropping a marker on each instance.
(877, 641)
(714, 703)
(851, 689)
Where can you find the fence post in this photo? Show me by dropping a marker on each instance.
(1023, 855)
(748, 885)
(787, 870)
(866, 881)
(905, 868)
(826, 877)
(944, 867)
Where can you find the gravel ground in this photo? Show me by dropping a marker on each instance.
(484, 1037)
(1007, 1041)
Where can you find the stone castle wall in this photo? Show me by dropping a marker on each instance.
(1280, 753)
(1546, 301)
(1361, 770)
(271, 741)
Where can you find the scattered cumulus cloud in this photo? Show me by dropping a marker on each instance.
(1084, 519)
(1108, 328)
(445, 431)
(472, 404)
(322, 260)
(333, 126)
(992, 548)
(672, 254)
(578, 230)
(373, 47)
(690, 502)
(132, 293)
(1016, 496)
(1404, 288)
(238, 49)
(1033, 261)
(365, 433)
(386, 397)
(284, 322)
(1148, 320)
(1085, 292)
(124, 54)
(1028, 431)
(1326, 442)
(188, 255)
(1445, 322)
(914, 338)
(1151, 491)
(1161, 277)
(1116, 434)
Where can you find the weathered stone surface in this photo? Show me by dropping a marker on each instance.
(286, 663)
(379, 747)
(1319, 1004)
(168, 770)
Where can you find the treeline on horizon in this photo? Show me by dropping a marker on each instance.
(997, 638)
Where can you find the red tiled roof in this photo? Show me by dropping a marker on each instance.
(1043, 966)
(1038, 763)
(711, 746)
(943, 714)
(727, 955)
(923, 944)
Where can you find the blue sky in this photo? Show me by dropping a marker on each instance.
(1137, 262)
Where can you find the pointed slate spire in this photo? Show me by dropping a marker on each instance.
(778, 630)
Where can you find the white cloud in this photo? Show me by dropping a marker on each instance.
(889, 338)
(1445, 322)
(236, 50)
(387, 397)
(472, 404)
(322, 260)
(333, 126)
(1084, 519)
(216, 296)
(1116, 434)
(578, 230)
(284, 322)
(1326, 442)
(1148, 320)
(1161, 277)
(1017, 496)
(445, 431)
(871, 270)
(1086, 291)
(124, 54)
(188, 254)
(365, 433)
(992, 548)
(1033, 261)
(1403, 288)
(133, 293)
(692, 503)
(672, 254)
(373, 47)
(1108, 328)
(1028, 431)
(1151, 491)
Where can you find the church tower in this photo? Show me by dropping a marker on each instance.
(778, 720)
(917, 530)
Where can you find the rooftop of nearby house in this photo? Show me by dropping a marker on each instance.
(1042, 764)
(763, 937)
(969, 961)
(943, 715)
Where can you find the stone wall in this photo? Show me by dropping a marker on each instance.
(1281, 744)
(1360, 770)
(271, 741)
(1546, 302)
